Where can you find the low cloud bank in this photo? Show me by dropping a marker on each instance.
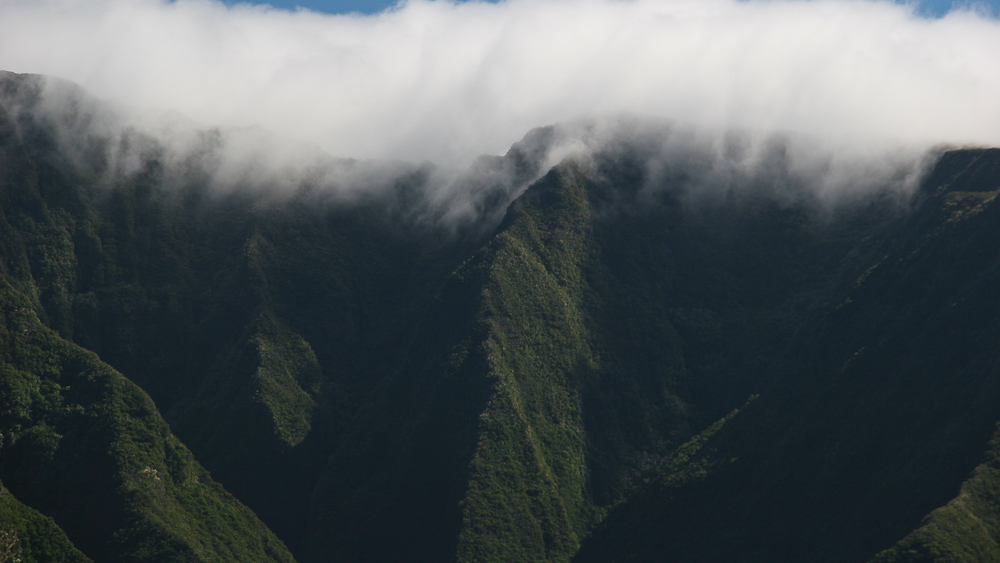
(432, 80)
(638, 157)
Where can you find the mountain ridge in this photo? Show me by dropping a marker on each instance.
(565, 378)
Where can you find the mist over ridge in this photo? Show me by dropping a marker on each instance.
(433, 80)
(113, 143)
(631, 336)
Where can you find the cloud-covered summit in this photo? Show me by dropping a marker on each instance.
(446, 82)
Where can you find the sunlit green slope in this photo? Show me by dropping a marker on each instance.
(28, 537)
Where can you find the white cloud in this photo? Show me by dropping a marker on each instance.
(446, 82)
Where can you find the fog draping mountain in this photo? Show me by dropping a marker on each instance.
(627, 339)
(447, 81)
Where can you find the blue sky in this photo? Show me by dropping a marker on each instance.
(931, 8)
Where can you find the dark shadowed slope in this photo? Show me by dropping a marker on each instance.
(407, 373)
(87, 447)
(596, 331)
(80, 443)
(28, 537)
(883, 408)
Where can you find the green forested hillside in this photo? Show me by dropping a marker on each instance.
(875, 418)
(87, 447)
(29, 537)
(80, 443)
(592, 350)
(633, 360)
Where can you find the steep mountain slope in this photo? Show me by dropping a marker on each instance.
(80, 443)
(259, 324)
(883, 408)
(29, 537)
(87, 447)
(573, 380)
(536, 361)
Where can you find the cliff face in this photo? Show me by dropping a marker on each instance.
(889, 392)
(622, 368)
(82, 444)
